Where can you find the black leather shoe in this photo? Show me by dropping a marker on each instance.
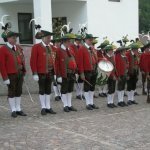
(79, 97)
(88, 107)
(101, 95)
(134, 102)
(136, 94)
(72, 108)
(13, 114)
(66, 109)
(110, 106)
(94, 106)
(105, 95)
(50, 111)
(43, 111)
(21, 113)
(144, 93)
(57, 98)
(129, 102)
(83, 96)
(121, 104)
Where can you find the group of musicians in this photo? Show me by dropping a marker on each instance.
(71, 60)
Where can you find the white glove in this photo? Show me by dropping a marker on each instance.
(36, 77)
(59, 80)
(7, 82)
(77, 77)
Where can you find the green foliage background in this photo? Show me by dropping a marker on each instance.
(144, 14)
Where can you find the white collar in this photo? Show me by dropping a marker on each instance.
(44, 44)
(10, 46)
(132, 53)
(109, 55)
(75, 44)
(63, 47)
(123, 56)
(87, 46)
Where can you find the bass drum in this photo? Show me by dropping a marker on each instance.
(105, 68)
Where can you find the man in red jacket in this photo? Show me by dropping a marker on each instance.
(87, 66)
(56, 85)
(122, 69)
(145, 67)
(12, 67)
(42, 64)
(75, 48)
(112, 78)
(66, 71)
(133, 59)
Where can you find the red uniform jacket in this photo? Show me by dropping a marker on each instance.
(11, 62)
(100, 55)
(122, 65)
(133, 62)
(41, 59)
(75, 50)
(65, 64)
(87, 59)
(112, 60)
(145, 62)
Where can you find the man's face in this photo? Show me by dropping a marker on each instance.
(46, 39)
(89, 41)
(147, 49)
(135, 51)
(57, 44)
(110, 53)
(12, 40)
(67, 43)
(78, 41)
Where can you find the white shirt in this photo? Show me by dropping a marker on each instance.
(10, 46)
(63, 47)
(87, 45)
(44, 44)
(132, 53)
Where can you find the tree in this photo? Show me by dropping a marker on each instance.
(144, 14)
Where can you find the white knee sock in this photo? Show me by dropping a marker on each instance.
(105, 89)
(69, 99)
(18, 103)
(122, 95)
(77, 87)
(87, 97)
(47, 101)
(91, 97)
(65, 99)
(119, 93)
(12, 104)
(129, 95)
(100, 90)
(112, 98)
(132, 95)
(42, 101)
(55, 91)
(109, 98)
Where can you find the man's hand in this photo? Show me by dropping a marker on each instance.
(7, 82)
(36, 77)
(82, 76)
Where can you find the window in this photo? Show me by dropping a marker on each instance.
(114, 0)
(26, 33)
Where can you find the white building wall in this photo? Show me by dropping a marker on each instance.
(113, 19)
(12, 10)
(76, 12)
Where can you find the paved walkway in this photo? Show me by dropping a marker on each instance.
(104, 129)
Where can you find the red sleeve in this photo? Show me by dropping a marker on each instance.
(2, 64)
(80, 60)
(33, 59)
(118, 64)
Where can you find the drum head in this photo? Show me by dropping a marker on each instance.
(105, 66)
